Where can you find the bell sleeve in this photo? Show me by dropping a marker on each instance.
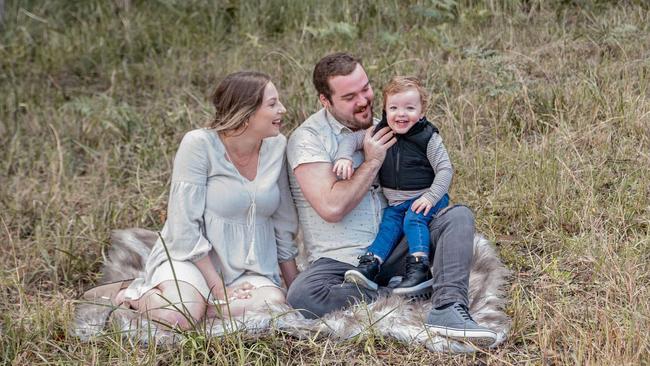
(285, 219)
(184, 231)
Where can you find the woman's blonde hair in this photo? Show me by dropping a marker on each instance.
(236, 99)
(399, 84)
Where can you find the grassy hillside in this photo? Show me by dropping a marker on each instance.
(543, 105)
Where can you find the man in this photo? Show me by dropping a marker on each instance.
(340, 218)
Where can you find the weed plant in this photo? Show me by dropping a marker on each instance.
(543, 105)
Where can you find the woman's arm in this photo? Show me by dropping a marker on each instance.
(211, 277)
(182, 235)
(285, 221)
(289, 271)
(215, 283)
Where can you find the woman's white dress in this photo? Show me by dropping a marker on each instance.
(246, 227)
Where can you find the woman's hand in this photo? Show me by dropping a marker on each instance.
(421, 204)
(241, 291)
(215, 282)
(343, 168)
(221, 303)
(238, 292)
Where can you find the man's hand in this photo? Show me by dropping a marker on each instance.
(421, 204)
(343, 168)
(375, 146)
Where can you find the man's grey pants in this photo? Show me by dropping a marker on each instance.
(320, 289)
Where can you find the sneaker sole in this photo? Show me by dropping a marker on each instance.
(421, 295)
(480, 338)
(353, 276)
(417, 289)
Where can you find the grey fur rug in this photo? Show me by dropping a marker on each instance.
(390, 317)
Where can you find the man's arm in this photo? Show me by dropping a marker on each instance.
(333, 199)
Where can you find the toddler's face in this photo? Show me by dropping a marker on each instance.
(403, 110)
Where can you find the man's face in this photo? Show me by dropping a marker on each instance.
(351, 100)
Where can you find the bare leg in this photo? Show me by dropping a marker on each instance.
(165, 304)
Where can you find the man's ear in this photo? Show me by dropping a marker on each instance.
(324, 101)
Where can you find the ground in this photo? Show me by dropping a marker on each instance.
(543, 105)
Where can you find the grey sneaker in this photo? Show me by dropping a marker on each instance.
(455, 322)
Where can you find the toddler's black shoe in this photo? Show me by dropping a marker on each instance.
(365, 273)
(417, 279)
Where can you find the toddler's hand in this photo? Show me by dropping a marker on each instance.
(343, 168)
(421, 204)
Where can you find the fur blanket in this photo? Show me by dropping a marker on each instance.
(391, 316)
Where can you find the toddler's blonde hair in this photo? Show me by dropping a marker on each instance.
(399, 84)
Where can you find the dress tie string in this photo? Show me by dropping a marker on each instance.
(250, 225)
(251, 256)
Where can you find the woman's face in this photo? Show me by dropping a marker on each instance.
(267, 119)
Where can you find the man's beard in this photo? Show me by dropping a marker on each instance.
(354, 124)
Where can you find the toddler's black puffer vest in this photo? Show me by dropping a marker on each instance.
(406, 166)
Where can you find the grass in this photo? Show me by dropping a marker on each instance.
(543, 105)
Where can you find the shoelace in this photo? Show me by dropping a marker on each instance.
(463, 312)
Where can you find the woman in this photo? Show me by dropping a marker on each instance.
(230, 217)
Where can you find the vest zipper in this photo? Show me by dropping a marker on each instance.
(397, 167)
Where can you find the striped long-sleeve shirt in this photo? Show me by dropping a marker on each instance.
(438, 158)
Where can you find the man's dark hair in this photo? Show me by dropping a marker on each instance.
(336, 64)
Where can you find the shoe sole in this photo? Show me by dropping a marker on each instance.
(422, 291)
(479, 338)
(422, 295)
(356, 277)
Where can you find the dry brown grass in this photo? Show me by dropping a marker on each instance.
(544, 107)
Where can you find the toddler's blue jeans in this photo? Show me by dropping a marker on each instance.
(400, 220)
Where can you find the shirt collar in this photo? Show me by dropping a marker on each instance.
(337, 126)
